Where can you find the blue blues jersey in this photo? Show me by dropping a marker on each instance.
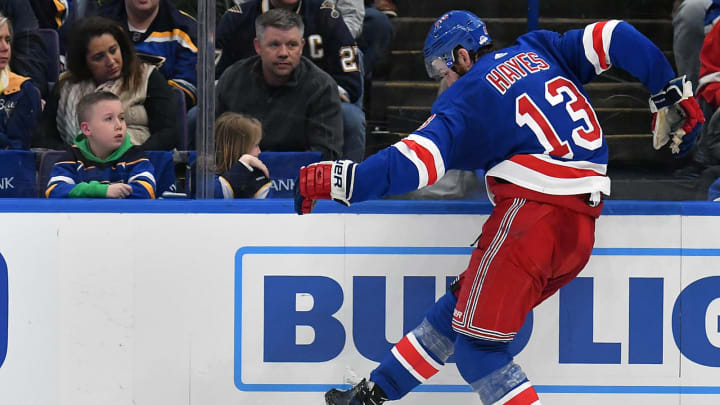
(77, 174)
(242, 181)
(522, 115)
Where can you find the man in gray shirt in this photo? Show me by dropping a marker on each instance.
(297, 103)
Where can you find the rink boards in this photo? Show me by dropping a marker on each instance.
(170, 302)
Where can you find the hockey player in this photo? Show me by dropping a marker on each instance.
(522, 115)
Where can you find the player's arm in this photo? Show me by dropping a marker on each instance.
(599, 46)
(592, 50)
(412, 163)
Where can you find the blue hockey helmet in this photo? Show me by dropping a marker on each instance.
(455, 28)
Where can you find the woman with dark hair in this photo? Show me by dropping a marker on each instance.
(100, 57)
(19, 99)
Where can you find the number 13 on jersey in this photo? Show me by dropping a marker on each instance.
(587, 134)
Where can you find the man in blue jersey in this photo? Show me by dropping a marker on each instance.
(522, 115)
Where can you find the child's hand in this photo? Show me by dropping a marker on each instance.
(118, 190)
(256, 163)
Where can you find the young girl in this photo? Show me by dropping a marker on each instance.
(240, 174)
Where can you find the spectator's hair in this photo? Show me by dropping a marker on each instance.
(5, 20)
(87, 103)
(92, 27)
(278, 18)
(235, 135)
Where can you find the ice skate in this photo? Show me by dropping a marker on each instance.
(363, 393)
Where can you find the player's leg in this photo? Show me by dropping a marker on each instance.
(528, 250)
(501, 285)
(418, 356)
(489, 369)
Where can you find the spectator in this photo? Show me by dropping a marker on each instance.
(19, 100)
(50, 13)
(102, 163)
(353, 13)
(102, 58)
(240, 174)
(707, 150)
(158, 28)
(387, 7)
(29, 54)
(297, 103)
(688, 35)
(329, 44)
(375, 39)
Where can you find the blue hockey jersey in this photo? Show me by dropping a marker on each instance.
(81, 174)
(522, 115)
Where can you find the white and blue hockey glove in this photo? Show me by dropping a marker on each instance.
(677, 117)
(324, 181)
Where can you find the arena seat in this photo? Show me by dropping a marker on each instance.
(46, 162)
(17, 173)
(284, 168)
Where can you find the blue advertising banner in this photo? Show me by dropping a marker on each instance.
(279, 287)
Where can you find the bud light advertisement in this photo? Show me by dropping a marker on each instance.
(304, 315)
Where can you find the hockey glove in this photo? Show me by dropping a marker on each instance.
(676, 117)
(324, 181)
